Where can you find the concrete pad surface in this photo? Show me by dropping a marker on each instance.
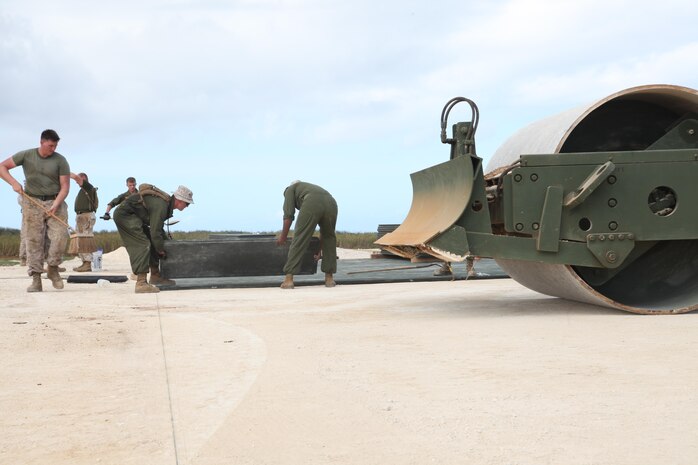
(447, 372)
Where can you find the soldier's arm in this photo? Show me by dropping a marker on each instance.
(76, 178)
(284, 231)
(158, 216)
(62, 194)
(116, 201)
(5, 168)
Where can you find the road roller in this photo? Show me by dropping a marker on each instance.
(598, 204)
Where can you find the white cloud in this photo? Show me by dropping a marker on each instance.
(299, 84)
(676, 66)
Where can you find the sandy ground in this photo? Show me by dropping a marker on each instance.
(476, 372)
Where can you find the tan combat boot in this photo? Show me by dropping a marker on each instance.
(36, 283)
(155, 278)
(329, 280)
(86, 266)
(288, 282)
(55, 278)
(142, 286)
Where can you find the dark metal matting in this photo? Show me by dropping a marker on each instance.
(228, 258)
(93, 278)
(355, 271)
(239, 237)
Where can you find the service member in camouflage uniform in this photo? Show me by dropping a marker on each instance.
(131, 186)
(86, 203)
(316, 207)
(140, 220)
(47, 176)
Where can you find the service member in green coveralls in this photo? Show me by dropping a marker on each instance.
(131, 186)
(140, 220)
(316, 207)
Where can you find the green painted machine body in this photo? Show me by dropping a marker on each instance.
(599, 214)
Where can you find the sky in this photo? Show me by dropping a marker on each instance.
(236, 99)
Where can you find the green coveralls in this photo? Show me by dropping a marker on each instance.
(140, 220)
(316, 207)
(120, 198)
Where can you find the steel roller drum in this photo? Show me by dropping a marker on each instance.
(665, 279)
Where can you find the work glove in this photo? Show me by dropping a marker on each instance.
(106, 216)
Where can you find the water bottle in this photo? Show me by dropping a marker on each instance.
(97, 260)
(103, 283)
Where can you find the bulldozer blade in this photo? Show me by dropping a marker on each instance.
(440, 195)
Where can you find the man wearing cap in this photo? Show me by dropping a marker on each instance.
(140, 220)
(316, 207)
(44, 211)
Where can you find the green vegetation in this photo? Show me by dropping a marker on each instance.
(9, 244)
(348, 240)
(110, 240)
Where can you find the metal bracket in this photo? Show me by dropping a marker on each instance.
(611, 249)
(549, 229)
(593, 181)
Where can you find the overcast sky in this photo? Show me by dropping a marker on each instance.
(235, 99)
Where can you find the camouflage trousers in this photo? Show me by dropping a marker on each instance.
(46, 238)
(23, 243)
(85, 223)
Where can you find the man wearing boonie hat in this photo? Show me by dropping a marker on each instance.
(140, 220)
